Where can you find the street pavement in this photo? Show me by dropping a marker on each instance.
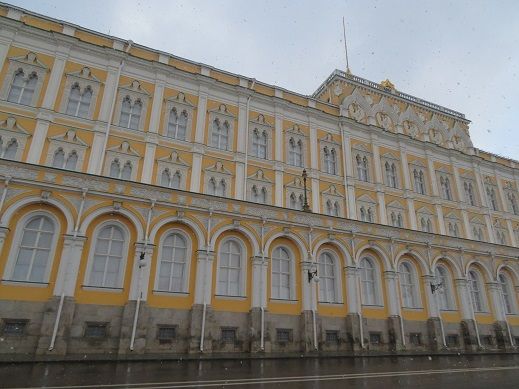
(438, 372)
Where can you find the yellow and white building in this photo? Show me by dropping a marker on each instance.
(151, 205)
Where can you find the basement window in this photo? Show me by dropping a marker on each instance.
(332, 336)
(452, 340)
(487, 340)
(415, 338)
(96, 330)
(228, 335)
(166, 334)
(375, 338)
(14, 327)
(283, 335)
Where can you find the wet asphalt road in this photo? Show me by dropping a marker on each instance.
(491, 371)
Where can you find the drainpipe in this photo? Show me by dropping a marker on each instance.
(262, 287)
(472, 310)
(312, 292)
(204, 289)
(247, 141)
(139, 279)
(62, 297)
(112, 108)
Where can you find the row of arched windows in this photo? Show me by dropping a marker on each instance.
(37, 237)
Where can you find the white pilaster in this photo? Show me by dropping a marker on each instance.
(196, 172)
(149, 158)
(412, 213)
(279, 142)
(38, 140)
(68, 270)
(156, 107)
(6, 38)
(439, 215)
(349, 182)
(307, 285)
(110, 89)
(391, 278)
(278, 194)
(242, 124)
(141, 272)
(381, 200)
(432, 174)
(96, 151)
(56, 74)
(204, 277)
(513, 240)
(431, 298)
(465, 300)
(200, 115)
(259, 282)
(350, 275)
(316, 206)
(239, 182)
(494, 290)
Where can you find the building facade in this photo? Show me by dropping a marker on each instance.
(151, 206)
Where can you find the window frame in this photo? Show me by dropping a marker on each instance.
(416, 299)
(376, 289)
(448, 291)
(187, 263)
(336, 277)
(242, 292)
(481, 304)
(17, 240)
(292, 275)
(91, 253)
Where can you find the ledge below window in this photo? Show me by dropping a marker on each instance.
(26, 283)
(168, 293)
(101, 289)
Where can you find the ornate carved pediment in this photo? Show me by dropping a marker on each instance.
(260, 120)
(180, 98)
(259, 176)
(29, 59)
(174, 158)
(124, 148)
(386, 115)
(135, 88)
(357, 107)
(395, 205)
(328, 138)
(332, 191)
(218, 168)
(70, 137)
(10, 124)
(84, 74)
(366, 199)
(295, 130)
(222, 110)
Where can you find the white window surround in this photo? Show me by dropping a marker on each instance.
(362, 162)
(91, 253)
(453, 226)
(9, 131)
(409, 285)
(29, 64)
(470, 192)
(84, 79)
(445, 297)
(366, 209)
(511, 198)
(371, 293)
(325, 278)
(124, 154)
(69, 142)
(261, 183)
(263, 129)
(242, 282)
(295, 137)
(218, 173)
(396, 213)
(181, 104)
(134, 92)
(333, 197)
(292, 273)
(187, 263)
(390, 170)
(173, 163)
(17, 240)
(492, 194)
(501, 233)
(418, 174)
(428, 218)
(330, 152)
(478, 230)
(477, 291)
(226, 120)
(508, 294)
(296, 188)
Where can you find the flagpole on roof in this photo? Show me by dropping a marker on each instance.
(345, 46)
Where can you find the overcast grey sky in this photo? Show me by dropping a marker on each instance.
(459, 54)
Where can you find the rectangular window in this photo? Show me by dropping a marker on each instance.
(332, 336)
(96, 330)
(415, 338)
(166, 334)
(487, 340)
(228, 335)
(375, 338)
(14, 327)
(283, 335)
(452, 340)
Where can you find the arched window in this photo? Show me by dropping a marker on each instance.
(35, 247)
(177, 124)
(231, 264)
(469, 193)
(259, 144)
(423, 225)
(211, 187)
(391, 176)
(513, 203)
(429, 226)
(330, 161)
(408, 285)
(165, 178)
(220, 134)
(368, 279)
(281, 273)
(130, 113)
(71, 161)
(363, 214)
(393, 219)
(327, 278)
(115, 168)
(329, 208)
(444, 292)
(399, 221)
(456, 230)
(10, 151)
(370, 217)
(255, 194)
(259, 195)
(126, 173)
(446, 188)
(336, 209)
(295, 152)
(108, 258)
(293, 201)
(362, 168)
(491, 194)
(172, 275)
(301, 202)
(22, 88)
(222, 188)
(476, 291)
(175, 180)
(59, 158)
(419, 181)
(79, 103)
(263, 195)
(507, 294)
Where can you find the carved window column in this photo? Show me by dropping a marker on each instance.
(349, 180)
(351, 275)
(204, 276)
(239, 156)
(69, 265)
(484, 202)
(110, 89)
(314, 167)
(278, 157)
(141, 271)
(461, 196)
(198, 147)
